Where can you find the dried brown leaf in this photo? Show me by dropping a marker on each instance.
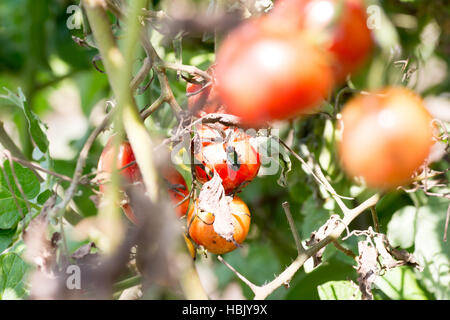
(83, 251)
(321, 234)
(367, 268)
(212, 199)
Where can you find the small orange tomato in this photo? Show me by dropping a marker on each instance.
(386, 136)
(201, 229)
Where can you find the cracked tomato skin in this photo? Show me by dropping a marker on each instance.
(207, 100)
(386, 136)
(201, 229)
(236, 161)
(343, 29)
(265, 74)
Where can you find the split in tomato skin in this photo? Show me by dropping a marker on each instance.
(386, 136)
(340, 24)
(201, 229)
(234, 158)
(264, 74)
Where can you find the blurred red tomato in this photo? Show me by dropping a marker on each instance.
(125, 156)
(341, 24)
(265, 74)
(387, 135)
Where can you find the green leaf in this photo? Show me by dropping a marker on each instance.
(34, 123)
(92, 87)
(12, 272)
(6, 237)
(430, 249)
(400, 284)
(315, 217)
(400, 230)
(9, 208)
(339, 290)
(44, 196)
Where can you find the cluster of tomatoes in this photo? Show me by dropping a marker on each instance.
(276, 67)
(235, 171)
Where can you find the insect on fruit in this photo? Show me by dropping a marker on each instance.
(230, 153)
(265, 74)
(386, 136)
(201, 229)
(341, 25)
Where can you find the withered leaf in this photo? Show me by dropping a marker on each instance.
(212, 199)
(406, 257)
(83, 251)
(393, 257)
(381, 244)
(321, 234)
(367, 268)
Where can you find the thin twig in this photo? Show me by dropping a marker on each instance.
(142, 73)
(375, 219)
(153, 107)
(346, 251)
(447, 219)
(188, 69)
(81, 162)
(39, 168)
(298, 242)
(9, 144)
(262, 292)
(240, 276)
(316, 172)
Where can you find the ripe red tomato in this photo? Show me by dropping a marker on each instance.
(201, 229)
(207, 100)
(265, 74)
(341, 24)
(386, 137)
(178, 189)
(176, 185)
(125, 156)
(231, 154)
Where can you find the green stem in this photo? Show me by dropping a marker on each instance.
(9, 144)
(127, 283)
